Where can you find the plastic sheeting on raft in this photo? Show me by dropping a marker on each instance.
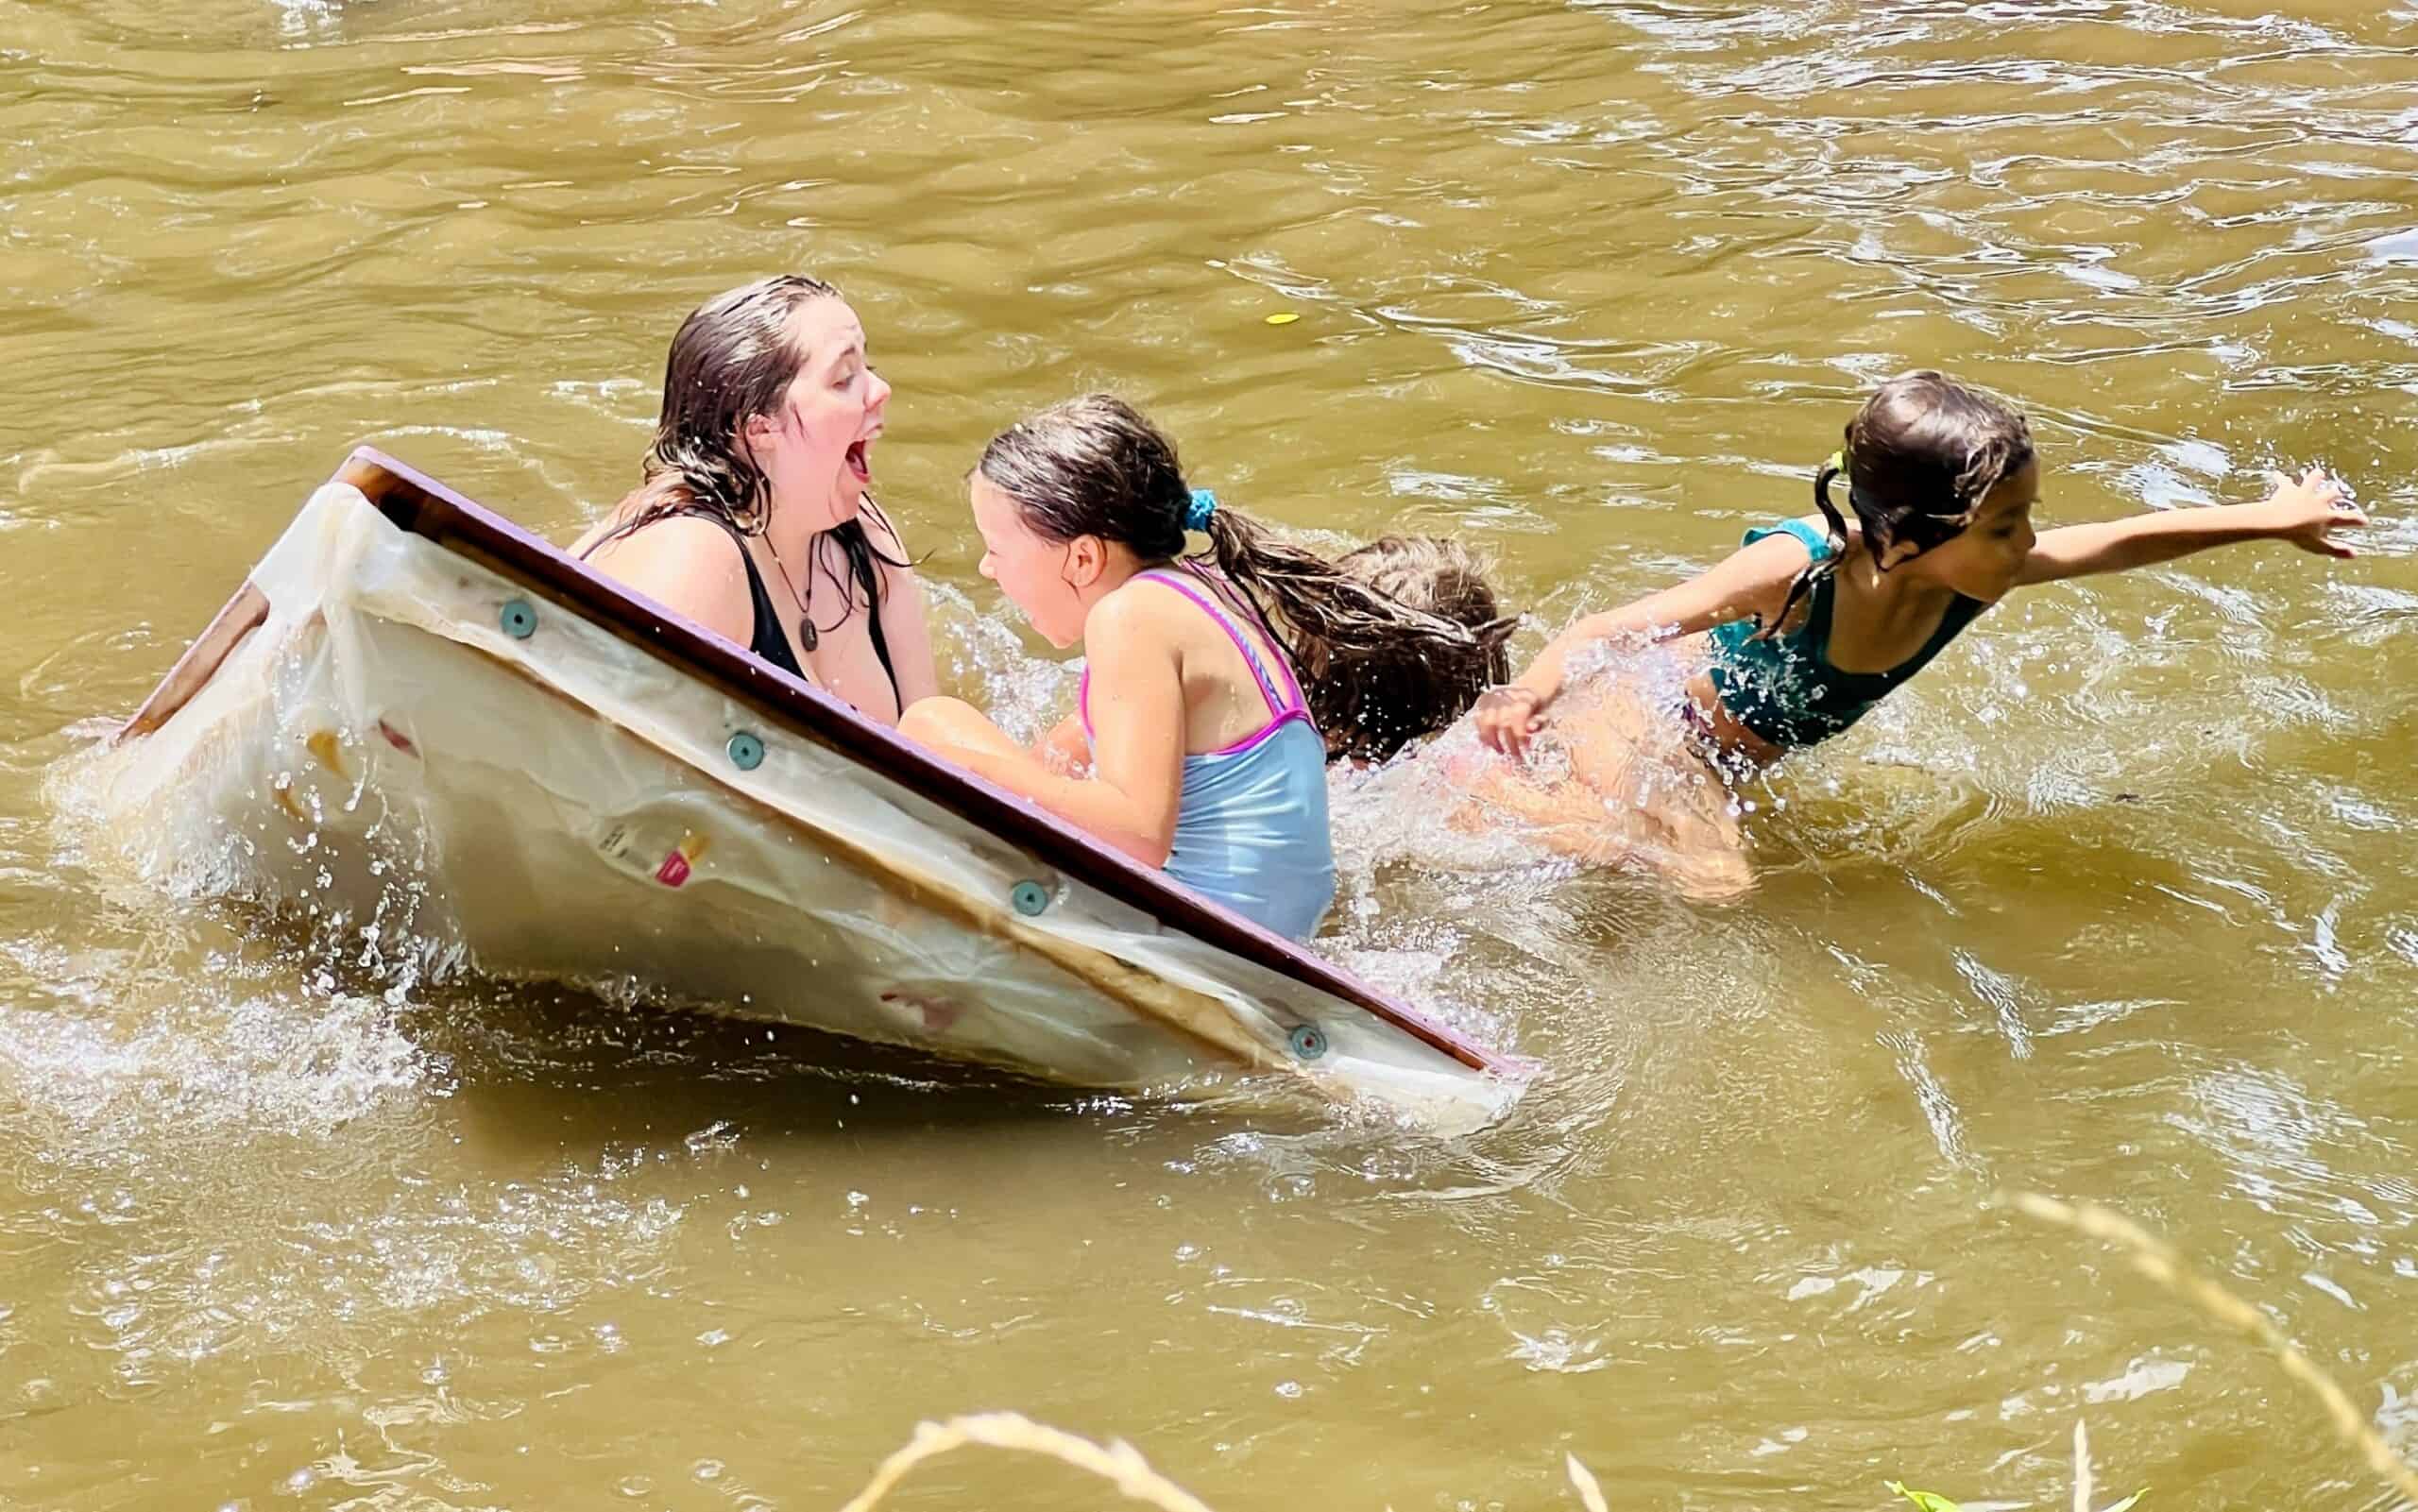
(412, 745)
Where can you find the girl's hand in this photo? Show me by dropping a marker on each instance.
(1506, 716)
(2309, 512)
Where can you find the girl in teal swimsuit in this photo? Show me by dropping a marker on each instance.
(1814, 621)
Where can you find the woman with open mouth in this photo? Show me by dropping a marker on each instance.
(755, 516)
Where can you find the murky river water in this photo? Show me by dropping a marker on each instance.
(2110, 904)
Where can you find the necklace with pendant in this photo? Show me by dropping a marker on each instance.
(808, 635)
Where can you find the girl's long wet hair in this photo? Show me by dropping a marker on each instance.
(1920, 456)
(1093, 465)
(733, 360)
(1391, 697)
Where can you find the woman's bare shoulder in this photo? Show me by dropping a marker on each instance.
(689, 565)
(676, 541)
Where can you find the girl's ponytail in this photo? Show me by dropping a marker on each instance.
(1835, 526)
(1348, 639)
(1093, 466)
(1319, 612)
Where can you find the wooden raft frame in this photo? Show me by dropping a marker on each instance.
(420, 505)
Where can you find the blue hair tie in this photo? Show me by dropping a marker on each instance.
(1204, 504)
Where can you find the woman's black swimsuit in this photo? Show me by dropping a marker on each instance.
(769, 641)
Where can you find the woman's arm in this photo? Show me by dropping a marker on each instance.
(2306, 514)
(1751, 581)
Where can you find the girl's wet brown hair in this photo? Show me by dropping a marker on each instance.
(1921, 455)
(1392, 699)
(1093, 466)
(732, 360)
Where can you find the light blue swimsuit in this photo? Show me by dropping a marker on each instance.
(1250, 824)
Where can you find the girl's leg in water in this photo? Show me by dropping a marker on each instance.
(1643, 757)
(1636, 796)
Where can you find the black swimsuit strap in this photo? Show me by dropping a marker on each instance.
(766, 639)
(857, 548)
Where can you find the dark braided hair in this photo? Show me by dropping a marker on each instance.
(1921, 455)
(732, 360)
(1093, 466)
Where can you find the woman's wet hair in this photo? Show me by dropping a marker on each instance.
(1093, 466)
(1392, 698)
(732, 360)
(1921, 455)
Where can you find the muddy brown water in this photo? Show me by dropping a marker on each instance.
(2110, 904)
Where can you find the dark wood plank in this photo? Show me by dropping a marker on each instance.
(237, 617)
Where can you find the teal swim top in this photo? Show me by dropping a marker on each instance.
(1785, 690)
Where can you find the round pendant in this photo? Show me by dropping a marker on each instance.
(805, 633)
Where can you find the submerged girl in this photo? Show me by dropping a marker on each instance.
(1394, 694)
(1196, 743)
(1817, 620)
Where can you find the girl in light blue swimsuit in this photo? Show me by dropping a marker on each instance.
(1196, 744)
(1251, 823)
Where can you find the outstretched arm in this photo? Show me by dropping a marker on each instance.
(2307, 514)
(1751, 581)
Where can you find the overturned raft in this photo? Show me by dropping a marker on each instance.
(416, 718)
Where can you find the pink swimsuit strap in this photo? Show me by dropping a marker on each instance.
(1282, 708)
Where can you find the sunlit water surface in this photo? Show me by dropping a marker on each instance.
(2110, 904)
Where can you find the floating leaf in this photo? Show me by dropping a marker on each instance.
(2126, 1504)
(1282, 318)
(1928, 1501)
